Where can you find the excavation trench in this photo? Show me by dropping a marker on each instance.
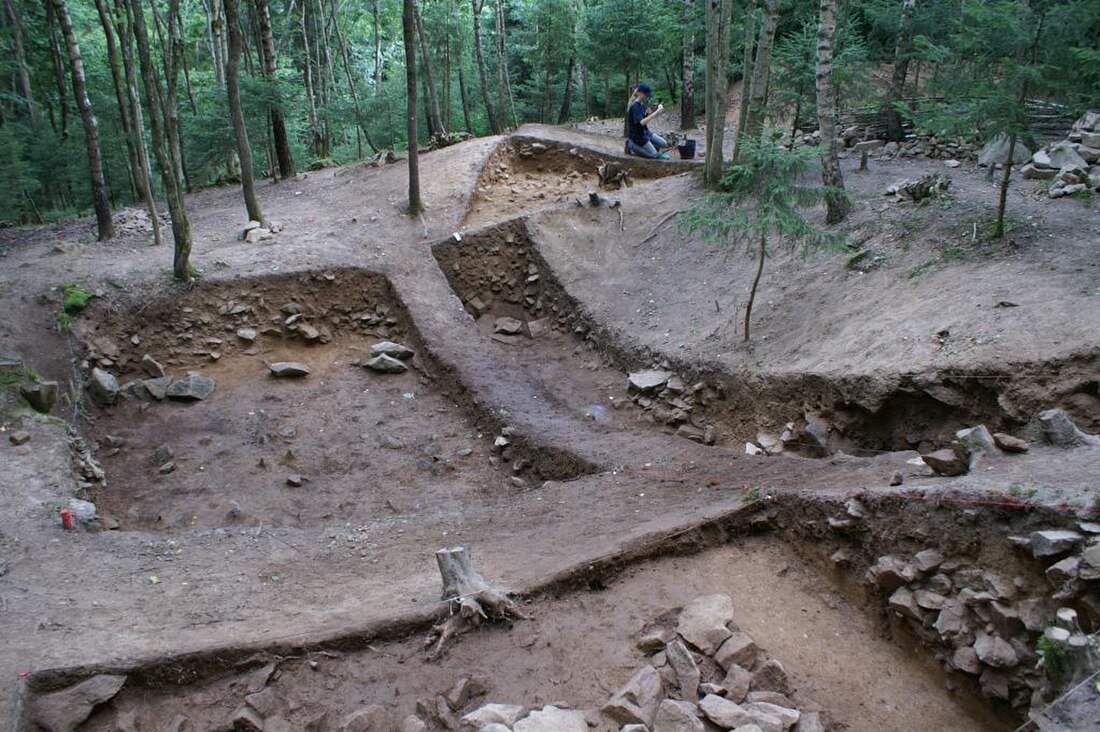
(501, 271)
(847, 650)
(341, 446)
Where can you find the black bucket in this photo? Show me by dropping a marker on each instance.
(686, 149)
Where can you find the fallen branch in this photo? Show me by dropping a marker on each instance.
(664, 220)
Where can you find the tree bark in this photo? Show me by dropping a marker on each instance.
(836, 203)
(902, 52)
(567, 100)
(375, 10)
(464, 93)
(471, 597)
(720, 15)
(408, 26)
(687, 71)
(236, 114)
(58, 69)
(137, 173)
(100, 201)
(762, 253)
(316, 143)
(133, 99)
(435, 119)
(482, 69)
(761, 70)
(507, 101)
(270, 65)
(170, 175)
(746, 81)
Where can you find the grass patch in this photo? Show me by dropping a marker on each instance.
(11, 400)
(74, 298)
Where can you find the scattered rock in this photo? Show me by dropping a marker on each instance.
(372, 718)
(637, 700)
(247, 719)
(40, 395)
(168, 467)
(772, 677)
(1053, 542)
(904, 604)
(703, 622)
(248, 335)
(976, 442)
(966, 660)
(413, 723)
(762, 711)
(157, 388)
(928, 559)
(540, 327)
(152, 367)
(889, 573)
(505, 714)
(946, 462)
(687, 672)
(384, 364)
(737, 682)
(19, 437)
(995, 651)
(103, 386)
(677, 716)
(1008, 443)
(738, 650)
(648, 381)
(996, 151)
(508, 326)
(308, 332)
(552, 719)
(394, 350)
(1062, 432)
(192, 388)
(286, 369)
(65, 710)
(723, 712)
(294, 480)
(257, 235)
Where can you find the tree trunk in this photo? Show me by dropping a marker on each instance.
(133, 98)
(567, 100)
(435, 119)
(507, 101)
(316, 144)
(762, 253)
(170, 176)
(836, 202)
(137, 173)
(720, 15)
(464, 93)
(746, 82)
(236, 114)
(104, 223)
(270, 66)
(902, 53)
(482, 70)
(217, 41)
(18, 33)
(58, 69)
(687, 71)
(408, 27)
(761, 69)
(375, 10)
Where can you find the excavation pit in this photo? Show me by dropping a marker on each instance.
(344, 445)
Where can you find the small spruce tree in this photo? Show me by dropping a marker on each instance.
(760, 198)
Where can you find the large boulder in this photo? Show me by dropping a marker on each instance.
(288, 369)
(191, 388)
(505, 714)
(41, 395)
(66, 710)
(1063, 153)
(687, 672)
(996, 151)
(677, 716)
(947, 462)
(394, 350)
(552, 719)
(103, 386)
(649, 380)
(385, 364)
(637, 700)
(703, 622)
(723, 712)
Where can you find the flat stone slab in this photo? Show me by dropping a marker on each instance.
(288, 369)
(191, 388)
(394, 350)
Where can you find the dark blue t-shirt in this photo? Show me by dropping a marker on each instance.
(635, 129)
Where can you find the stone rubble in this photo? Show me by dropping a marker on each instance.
(1073, 164)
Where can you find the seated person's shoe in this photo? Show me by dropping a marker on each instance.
(663, 156)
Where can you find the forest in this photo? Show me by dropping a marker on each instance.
(105, 103)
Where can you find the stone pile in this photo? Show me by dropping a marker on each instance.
(805, 437)
(971, 446)
(703, 673)
(855, 138)
(1072, 165)
(988, 626)
(670, 400)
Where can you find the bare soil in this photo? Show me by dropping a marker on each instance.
(222, 559)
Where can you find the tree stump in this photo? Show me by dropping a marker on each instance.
(613, 176)
(471, 598)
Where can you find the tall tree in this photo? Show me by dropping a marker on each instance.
(18, 34)
(236, 114)
(137, 171)
(746, 80)
(687, 73)
(158, 104)
(761, 70)
(836, 201)
(435, 117)
(283, 153)
(507, 105)
(408, 27)
(719, 18)
(903, 51)
(100, 199)
(483, 71)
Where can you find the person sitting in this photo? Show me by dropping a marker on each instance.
(639, 140)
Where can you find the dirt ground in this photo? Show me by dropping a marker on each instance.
(222, 553)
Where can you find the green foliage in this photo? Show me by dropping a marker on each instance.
(764, 194)
(1053, 660)
(74, 298)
